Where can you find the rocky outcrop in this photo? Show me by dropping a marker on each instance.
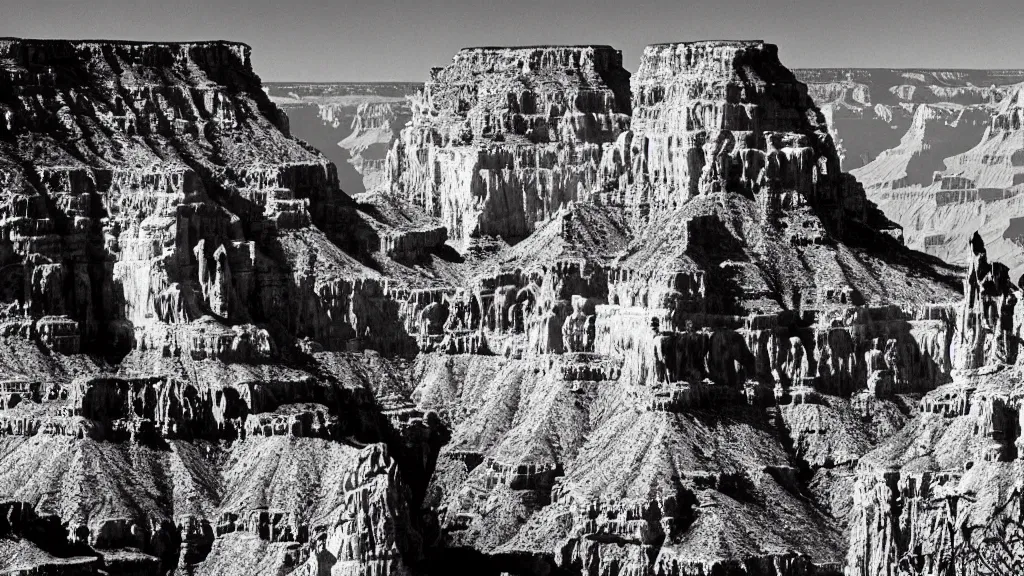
(375, 127)
(503, 137)
(182, 277)
(560, 340)
(167, 214)
(724, 117)
(943, 495)
(684, 351)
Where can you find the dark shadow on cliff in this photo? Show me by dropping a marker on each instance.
(863, 237)
(439, 562)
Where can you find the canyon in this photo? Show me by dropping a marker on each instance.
(906, 134)
(556, 319)
(352, 124)
(937, 150)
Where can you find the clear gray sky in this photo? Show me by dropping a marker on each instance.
(364, 40)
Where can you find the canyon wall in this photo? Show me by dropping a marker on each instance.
(679, 372)
(580, 327)
(175, 395)
(895, 128)
(943, 495)
(503, 137)
(724, 117)
(935, 151)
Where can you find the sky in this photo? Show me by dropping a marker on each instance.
(382, 40)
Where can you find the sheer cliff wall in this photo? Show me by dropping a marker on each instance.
(171, 320)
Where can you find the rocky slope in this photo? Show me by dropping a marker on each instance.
(944, 494)
(678, 371)
(174, 392)
(583, 327)
(932, 152)
(354, 125)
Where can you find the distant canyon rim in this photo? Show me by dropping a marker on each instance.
(539, 315)
(901, 132)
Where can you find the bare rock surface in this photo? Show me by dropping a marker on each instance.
(935, 150)
(582, 327)
(502, 137)
(678, 372)
(177, 391)
(944, 494)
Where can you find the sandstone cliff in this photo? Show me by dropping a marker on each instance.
(503, 137)
(678, 372)
(944, 494)
(172, 389)
(582, 329)
(724, 117)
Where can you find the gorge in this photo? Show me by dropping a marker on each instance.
(570, 321)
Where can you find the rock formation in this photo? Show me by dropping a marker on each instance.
(944, 494)
(724, 117)
(503, 137)
(675, 359)
(870, 110)
(560, 339)
(174, 396)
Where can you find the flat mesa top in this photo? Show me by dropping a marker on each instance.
(541, 47)
(709, 42)
(11, 39)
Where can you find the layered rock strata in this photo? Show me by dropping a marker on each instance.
(172, 319)
(943, 495)
(724, 117)
(657, 367)
(677, 382)
(935, 151)
(501, 138)
(869, 110)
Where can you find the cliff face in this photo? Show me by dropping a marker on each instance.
(869, 110)
(724, 117)
(931, 151)
(893, 128)
(682, 385)
(374, 128)
(172, 391)
(690, 350)
(502, 138)
(944, 494)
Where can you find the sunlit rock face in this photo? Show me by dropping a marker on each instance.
(180, 277)
(680, 378)
(658, 369)
(502, 138)
(724, 117)
(943, 495)
(979, 188)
